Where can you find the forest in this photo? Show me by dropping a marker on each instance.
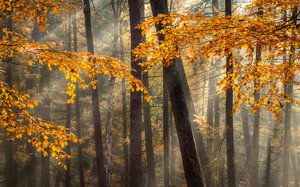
(148, 93)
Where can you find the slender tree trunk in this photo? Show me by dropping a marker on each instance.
(109, 124)
(125, 136)
(68, 113)
(172, 151)
(45, 161)
(10, 162)
(124, 118)
(148, 138)
(255, 137)
(180, 111)
(229, 116)
(210, 113)
(166, 128)
(101, 175)
(136, 14)
(109, 130)
(268, 161)
(248, 145)
(77, 110)
(294, 166)
(288, 90)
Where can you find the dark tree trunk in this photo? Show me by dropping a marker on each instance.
(166, 128)
(10, 162)
(180, 110)
(136, 14)
(148, 138)
(229, 117)
(77, 110)
(101, 175)
(125, 136)
(204, 162)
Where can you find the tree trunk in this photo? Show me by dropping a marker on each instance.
(248, 145)
(210, 113)
(172, 151)
(125, 136)
(255, 137)
(77, 110)
(148, 138)
(124, 118)
(101, 175)
(229, 116)
(166, 128)
(288, 90)
(180, 110)
(68, 113)
(109, 124)
(136, 14)
(45, 161)
(109, 129)
(10, 162)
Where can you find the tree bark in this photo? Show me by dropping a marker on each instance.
(45, 161)
(288, 90)
(136, 14)
(248, 145)
(180, 110)
(255, 136)
(101, 174)
(77, 110)
(148, 138)
(229, 116)
(109, 129)
(166, 128)
(9, 146)
(68, 113)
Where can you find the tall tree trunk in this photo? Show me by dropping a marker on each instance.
(180, 110)
(109, 129)
(229, 116)
(288, 90)
(110, 102)
(295, 166)
(124, 118)
(210, 113)
(255, 137)
(220, 163)
(101, 174)
(125, 136)
(68, 113)
(269, 160)
(45, 160)
(248, 145)
(172, 151)
(166, 128)
(77, 110)
(204, 162)
(10, 162)
(148, 138)
(136, 14)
